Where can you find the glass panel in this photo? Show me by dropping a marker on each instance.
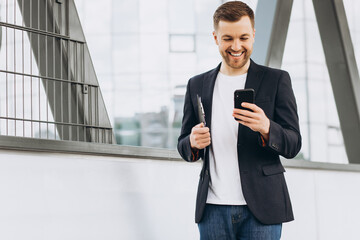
(304, 59)
(101, 53)
(182, 43)
(177, 22)
(154, 51)
(182, 64)
(352, 8)
(125, 16)
(143, 65)
(126, 45)
(153, 16)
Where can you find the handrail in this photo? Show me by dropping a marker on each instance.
(86, 148)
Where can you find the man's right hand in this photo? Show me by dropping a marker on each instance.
(200, 137)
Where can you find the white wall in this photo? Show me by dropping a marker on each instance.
(47, 196)
(326, 205)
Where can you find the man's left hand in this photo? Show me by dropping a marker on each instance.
(255, 120)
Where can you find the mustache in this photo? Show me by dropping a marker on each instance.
(233, 51)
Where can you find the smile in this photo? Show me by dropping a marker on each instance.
(236, 54)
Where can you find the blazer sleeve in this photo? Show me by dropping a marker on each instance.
(284, 133)
(188, 122)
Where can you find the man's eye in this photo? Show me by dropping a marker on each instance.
(244, 39)
(227, 39)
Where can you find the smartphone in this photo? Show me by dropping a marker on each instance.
(243, 95)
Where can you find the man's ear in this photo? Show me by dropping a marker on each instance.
(215, 38)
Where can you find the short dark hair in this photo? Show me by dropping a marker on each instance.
(232, 12)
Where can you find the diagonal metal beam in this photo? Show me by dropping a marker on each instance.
(342, 67)
(78, 101)
(272, 19)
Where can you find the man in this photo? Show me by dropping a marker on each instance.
(242, 192)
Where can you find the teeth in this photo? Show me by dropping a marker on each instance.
(236, 55)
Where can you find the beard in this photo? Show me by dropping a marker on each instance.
(236, 63)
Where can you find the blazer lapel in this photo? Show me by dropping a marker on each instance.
(207, 93)
(254, 77)
(253, 80)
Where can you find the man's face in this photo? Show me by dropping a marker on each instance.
(235, 41)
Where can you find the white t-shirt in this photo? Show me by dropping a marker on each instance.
(225, 186)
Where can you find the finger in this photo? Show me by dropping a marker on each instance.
(202, 137)
(199, 140)
(252, 126)
(200, 125)
(250, 106)
(205, 143)
(247, 113)
(245, 118)
(201, 130)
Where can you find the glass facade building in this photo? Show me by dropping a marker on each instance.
(143, 54)
(149, 50)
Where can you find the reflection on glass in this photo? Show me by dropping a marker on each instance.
(305, 61)
(352, 8)
(154, 48)
(182, 43)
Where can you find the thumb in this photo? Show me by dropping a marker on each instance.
(200, 125)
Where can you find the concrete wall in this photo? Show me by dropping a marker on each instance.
(71, 196)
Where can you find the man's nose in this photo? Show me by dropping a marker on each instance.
(236, 46)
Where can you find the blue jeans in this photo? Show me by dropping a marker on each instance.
(224, 222)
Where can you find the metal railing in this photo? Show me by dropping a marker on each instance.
(48, 87)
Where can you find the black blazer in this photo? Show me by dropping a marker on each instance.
(261, 171)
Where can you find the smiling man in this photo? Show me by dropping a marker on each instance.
(242, 193)
(235, 46)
